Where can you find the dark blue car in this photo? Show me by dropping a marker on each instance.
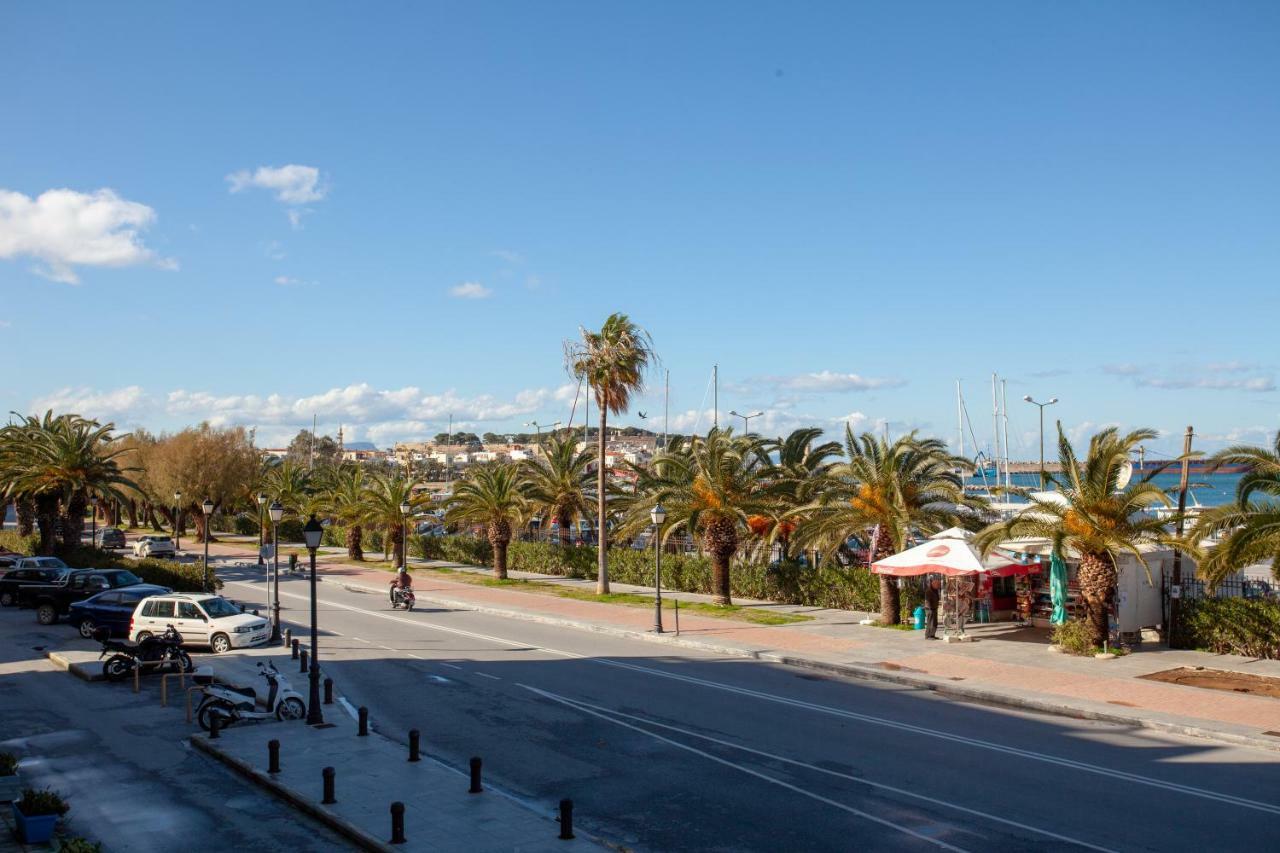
(111, 609)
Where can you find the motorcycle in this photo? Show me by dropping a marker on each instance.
(402, 597)
(126, 657)
(240, 704)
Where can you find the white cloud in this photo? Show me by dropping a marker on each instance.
(63, 229)
(823, 382)
(471, 290)
(129, 404)
(287, 281)
(292, 184)
(274, 250)
(1251, 383)
(1122, 369)
(510, 257)
(1231, 366)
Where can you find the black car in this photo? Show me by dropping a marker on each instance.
(110, 537)
(32, 576)
(53, 600)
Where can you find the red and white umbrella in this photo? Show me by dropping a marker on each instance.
(950, 553)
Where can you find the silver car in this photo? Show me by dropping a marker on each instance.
(154, 546)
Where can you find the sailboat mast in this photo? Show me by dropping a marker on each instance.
(960, 417)
(1004, 404)
(995, 427)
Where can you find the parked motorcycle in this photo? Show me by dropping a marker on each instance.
(125, 656)
(240, 704)
(402, 598)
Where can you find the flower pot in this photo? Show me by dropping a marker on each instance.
(37, 829)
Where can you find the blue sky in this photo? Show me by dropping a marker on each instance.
(385, 213)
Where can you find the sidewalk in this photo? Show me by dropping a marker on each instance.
(1006, 665)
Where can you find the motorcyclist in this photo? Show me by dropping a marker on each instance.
(402, 581)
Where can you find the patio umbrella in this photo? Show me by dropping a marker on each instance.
(949, 555)
(1058, 588)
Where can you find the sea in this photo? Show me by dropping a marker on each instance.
(1203, 489)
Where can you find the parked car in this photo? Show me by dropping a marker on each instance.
(429, 528)
(154, 546)
(112, 609)
(111, 537)
(202, 619)
(28, 576)
(54, 600)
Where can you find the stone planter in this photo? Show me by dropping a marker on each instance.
(37, 829)
(1105, 655)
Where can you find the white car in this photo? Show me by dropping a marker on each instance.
(201, 618)
(154, 546)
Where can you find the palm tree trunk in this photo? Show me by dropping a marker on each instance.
(26, 510)
(131, 508)
(499, 533)
(721, 538)
(395, 535)
(890, 598)
(355, 536)
(201, 522)
(602, 535)
(563, 520)
(73, 522)
(1097, 578)
(47, 519)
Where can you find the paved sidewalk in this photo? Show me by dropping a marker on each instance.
(1005, 665)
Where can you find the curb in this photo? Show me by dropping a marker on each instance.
(864, 672)
(347, 830)
(60, 661)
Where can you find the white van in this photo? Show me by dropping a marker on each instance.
(201, 618)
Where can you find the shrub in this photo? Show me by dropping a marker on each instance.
(335, 536)
(46, 802)
(8, 764)
(26, 545)
(79, 845)
(1237, 626)
(291, 530)
(180, 577)
(1075, 636)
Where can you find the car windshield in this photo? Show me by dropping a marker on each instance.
(159, 538)
(124, 578)
(219, 607)
(49, 563)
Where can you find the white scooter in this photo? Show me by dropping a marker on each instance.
(240, 704)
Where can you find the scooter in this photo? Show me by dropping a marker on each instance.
(402, 598)
(233, 705)
(126, 657)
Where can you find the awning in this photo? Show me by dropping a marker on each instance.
(952, 555)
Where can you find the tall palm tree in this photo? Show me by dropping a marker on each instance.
(491, 494)
(556, 482)
(799, 468)
(1250, 526)
(1092, 517)
(289, 483)
(612, 362)
(380, 508)
(885, 493)
(343, 497)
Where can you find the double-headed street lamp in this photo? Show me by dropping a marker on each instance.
(1051, 401)
(657, 515)
(405, 509)
(312, 534)
(177, 517)
(207, 508)
(538, 427)
(262, 505)
(277, 513)
(746, 420)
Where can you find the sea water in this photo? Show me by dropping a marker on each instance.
(1203, 489)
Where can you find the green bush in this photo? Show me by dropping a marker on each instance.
(1075, 637)
(291, 530)
(335, 537)
(46, 802)
(181, 577)
(8, 764)
(79, 845)
(1236, 626)
(11, 541)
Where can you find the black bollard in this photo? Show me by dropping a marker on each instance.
(476, 787)
(364, 722)
(566, 819)
(214, 720)
(273, 756)
(414, 735)
(397, 823)
(294, 653)
(328, 691)
(288, 637)
(303, 657)
(329, 799)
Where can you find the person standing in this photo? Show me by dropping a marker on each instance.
(932, 597)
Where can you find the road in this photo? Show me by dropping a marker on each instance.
(670, 749)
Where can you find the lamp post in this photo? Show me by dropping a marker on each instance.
(1051, 401)
(276, 512)
(405, 509)
(746, 420)
(312, 534)
(93, 535)
(177, 515)
(207, 507)
(657, 515)
(262, 505)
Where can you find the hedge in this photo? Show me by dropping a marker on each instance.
(790, 583)
(1236, 626)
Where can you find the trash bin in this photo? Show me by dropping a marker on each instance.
(919, 613)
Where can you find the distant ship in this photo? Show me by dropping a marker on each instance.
(1197, 467)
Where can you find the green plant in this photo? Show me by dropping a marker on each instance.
(181, 577)
(46, 802)
(1238, 626)
(11, 540)
(8, 764)
(1075, 637)
(79, 845)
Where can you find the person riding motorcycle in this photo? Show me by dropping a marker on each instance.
(402, 581)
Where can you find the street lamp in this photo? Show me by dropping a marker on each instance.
(657, 515)
(746, 420)
(405, 509)
(262, 504)
(312, 535)
(177, 510)
(207, 508)
(1052, 400)
(93, 536)
(276, 512)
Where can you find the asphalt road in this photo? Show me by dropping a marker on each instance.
(665, 749)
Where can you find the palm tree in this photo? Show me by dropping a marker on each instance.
(556, 482)
(343, 495)
(1250, 527)
(885, 493)
(799, 469)
(289, 483)
(380, 508)
(491, 495)
(1092, 517)
(612, 362)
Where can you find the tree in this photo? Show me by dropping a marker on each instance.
(1248, 528)
(343, 495)
(380, 508)
(305, 444)
(885, 493)
(556, 482)
(490, 494)
(1091, 516)
(612, 362)
(289, 482)
(457, 438)
(799, 470)
(205, 462)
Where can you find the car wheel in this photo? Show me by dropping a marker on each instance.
(87, 628)
(142, 636)
(6, 599)
(46, 614)
(220, 643)
(291, 709)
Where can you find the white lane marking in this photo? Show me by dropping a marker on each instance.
(450, 665)
(439, 679)
(487, 675)
(417, 657)
(583, 706)
(1082, 766)
(359, 639)
(750, 772)
(342, 700)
